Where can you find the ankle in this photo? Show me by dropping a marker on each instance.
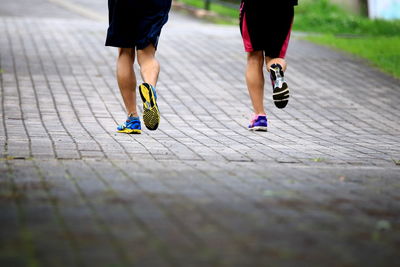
(277, 62)
(133, 115)
(263, 113)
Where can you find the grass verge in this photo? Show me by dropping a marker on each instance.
(382, 51)
(322, 16)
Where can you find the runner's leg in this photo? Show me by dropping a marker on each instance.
(255, 80)
(127, 79)
(149, 65)
(150, 69)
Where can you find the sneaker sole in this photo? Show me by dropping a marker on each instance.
(281, 96)
(130, 131)
(151, 114)
(259, 129)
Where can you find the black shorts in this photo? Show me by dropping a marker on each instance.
(266, 26)
(136, 23)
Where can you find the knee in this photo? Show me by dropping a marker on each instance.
(126, 52)
(256, 57)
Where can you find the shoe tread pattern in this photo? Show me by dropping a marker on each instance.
(151, 114)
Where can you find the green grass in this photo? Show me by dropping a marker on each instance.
(382, 51)
(321, 16)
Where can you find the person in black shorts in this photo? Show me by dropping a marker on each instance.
(266, 27)
(135, 27)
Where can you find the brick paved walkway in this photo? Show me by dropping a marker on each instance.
(321, 187)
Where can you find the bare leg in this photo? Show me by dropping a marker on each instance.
(149, 66)
(127, 79)
(255, 80)
(270, 61)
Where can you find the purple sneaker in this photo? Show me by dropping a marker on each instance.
(259, 123)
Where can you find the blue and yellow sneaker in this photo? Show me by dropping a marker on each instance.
(279, 85)
(259, 123)
(151, 113)
(131, 126)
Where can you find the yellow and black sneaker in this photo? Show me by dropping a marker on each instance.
(151, 113)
